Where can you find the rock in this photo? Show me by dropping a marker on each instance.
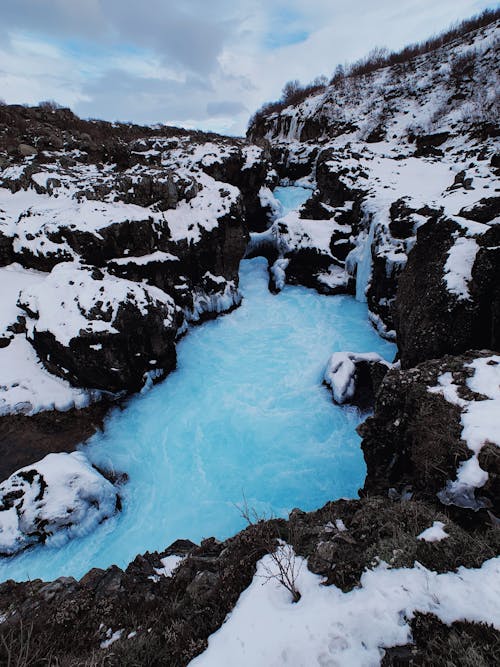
(334, 191)
(294, 164)
(59, 497)
(354, 378)
(427, 144)
(99, 331)
(415, 437)
(6, 249)
(26, 151)
(24, 439)
(485, 210)
(447, 296)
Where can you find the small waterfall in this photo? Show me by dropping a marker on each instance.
(359, 260)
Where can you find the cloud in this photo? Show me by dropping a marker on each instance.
(197, 61)
(225, 108)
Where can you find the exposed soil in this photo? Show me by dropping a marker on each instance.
(25, 439)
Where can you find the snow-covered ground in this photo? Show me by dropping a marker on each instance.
(436, 94)
(327, 627)
(57, 498)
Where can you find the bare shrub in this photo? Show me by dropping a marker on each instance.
(50, 105)
(285, 569)
(284, 566)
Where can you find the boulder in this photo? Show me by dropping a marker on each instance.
(484, 210)
(59, 497)
(448, 295)
(354, 377)
(99, 331)
(25, 150)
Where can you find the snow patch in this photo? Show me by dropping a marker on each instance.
(458, 267)
(435, 533)
(329, 627)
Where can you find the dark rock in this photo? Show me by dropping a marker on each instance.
(315, 209)
(430, 321)
(130, 330)
(377, 134)
(402, 224)
(293, 164)
(6, 249)
(333, 189)
(427, 144)
(414, 437)
(485, 210)
(26, 151)
(355, 378)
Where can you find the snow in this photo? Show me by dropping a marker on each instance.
(334, 278)
(202, 213)
(269, 200)
(25, 386)
(278, 271)
(13, 278)
(329, 627)
(458, 267)
(252, 156)
(294, 233)
(340, 373)
(42, 177)
(480, 425)
(59, 497)
(169, 565)
(214, 302)
(111, 638)
(435, 533)
(142, 260)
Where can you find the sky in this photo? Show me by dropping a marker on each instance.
(206, 64)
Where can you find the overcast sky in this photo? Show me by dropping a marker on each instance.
(198, 63)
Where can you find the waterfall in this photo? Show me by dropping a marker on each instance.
(359, 260)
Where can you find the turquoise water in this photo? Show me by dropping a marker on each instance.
(291, 196)
(244, 415)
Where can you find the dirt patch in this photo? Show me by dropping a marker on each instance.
(24, 440)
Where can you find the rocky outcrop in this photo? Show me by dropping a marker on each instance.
(146, 612)
(98, 331)
(28, 438)
(355, 378)
(448, 295)
(485, 210)
(418, 442)
(154, 221)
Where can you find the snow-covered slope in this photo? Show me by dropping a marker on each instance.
(387, 152)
